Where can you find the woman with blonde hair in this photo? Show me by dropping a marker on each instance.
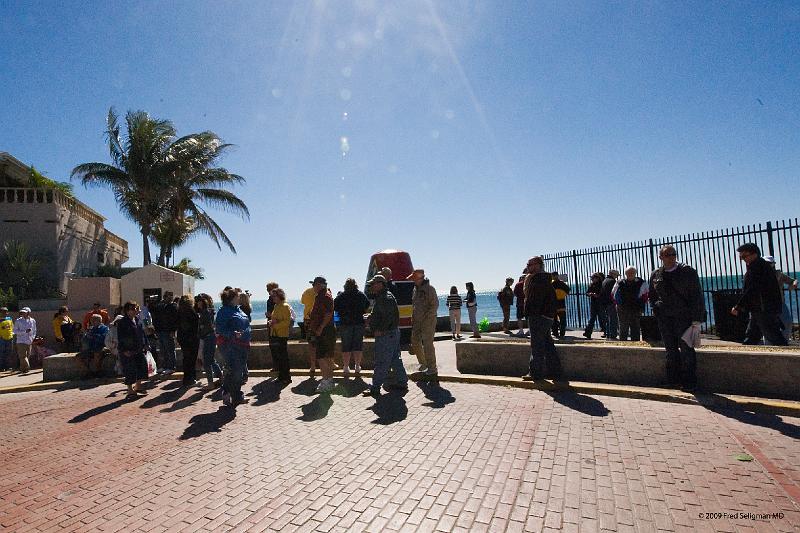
(279, 325)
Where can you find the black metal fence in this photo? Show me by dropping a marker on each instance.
(712, 253)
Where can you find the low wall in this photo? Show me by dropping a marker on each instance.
(768, 374)
(63, 367)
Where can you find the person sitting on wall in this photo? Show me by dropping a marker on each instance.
(94, 347)
(66, 330)
(97, 309)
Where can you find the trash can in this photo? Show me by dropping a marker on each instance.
(727, 326)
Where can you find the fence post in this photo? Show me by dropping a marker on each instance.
(769, 239)
(577, 298)
(652, 256)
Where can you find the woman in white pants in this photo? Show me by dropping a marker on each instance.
(454, 303)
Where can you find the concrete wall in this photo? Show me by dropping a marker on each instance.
(153, 277)
(768, 374)
(61, 227)
(83, 292)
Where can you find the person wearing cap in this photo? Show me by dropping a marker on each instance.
(386, 272)
(25, 332)
(761, 297)
(6, 338)
(541, 307)
(606, 300)
(384, 321)
(97, 309)
(322, 332)
(789, 283)
(424, 304)
(506, 297)
(307, 299)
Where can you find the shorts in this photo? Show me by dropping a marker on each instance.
(326, 343)
(520, 313)
(352, 337)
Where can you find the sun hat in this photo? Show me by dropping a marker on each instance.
(319, 279)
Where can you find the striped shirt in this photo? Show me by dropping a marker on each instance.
(454, 301)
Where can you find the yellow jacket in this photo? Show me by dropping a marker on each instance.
(57, 321)
(282, 315)
(6, 328)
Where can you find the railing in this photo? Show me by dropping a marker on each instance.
(712, 253)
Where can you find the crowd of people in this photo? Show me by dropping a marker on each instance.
(219, 339)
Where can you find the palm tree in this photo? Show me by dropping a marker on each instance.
(194, 183)
(21, 267)
(135, 175)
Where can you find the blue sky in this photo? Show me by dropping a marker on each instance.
(477, 133)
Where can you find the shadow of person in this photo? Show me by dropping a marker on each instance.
(183, 403)
(730, 409)
(317, 409)
(170, 395)
(268, 391)
(389, 408)
(349, 388)
(579, 402)
(438, 395)
(307, 387)
(208, 423)
(101, 409)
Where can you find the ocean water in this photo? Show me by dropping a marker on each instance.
(487, 307)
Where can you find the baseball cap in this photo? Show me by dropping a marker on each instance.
(769, 259)
(25, 310)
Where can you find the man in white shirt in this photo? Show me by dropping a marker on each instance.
(25, 332)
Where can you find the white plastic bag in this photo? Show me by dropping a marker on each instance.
(692, 336)
(151, 364)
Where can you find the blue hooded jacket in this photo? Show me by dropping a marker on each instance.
(230, 319)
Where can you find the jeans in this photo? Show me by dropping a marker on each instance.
(629, 323)
(597, 313)
(681, 362)
(280, 356)
(473, 319)
(766, 324)
(234, 368)
(611, 320)
(6, 347)
(543, 351)
(387, 356)
(166, 345)
(455, 321)
(208, 346)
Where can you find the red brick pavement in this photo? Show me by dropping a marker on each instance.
(461, 458)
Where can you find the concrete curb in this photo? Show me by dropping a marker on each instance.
(713, 401)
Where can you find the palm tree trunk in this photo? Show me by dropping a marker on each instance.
(145, 248)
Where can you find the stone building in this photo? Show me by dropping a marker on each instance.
(154, 280)
(49, 221)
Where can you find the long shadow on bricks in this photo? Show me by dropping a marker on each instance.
(168, 396)
(438, 395)
(579, 402)
(268, 391)
(317, 409)
(100, 409)
(183, 403)
(389, 408)
(307, 387)
(208, 423)
(726, 407)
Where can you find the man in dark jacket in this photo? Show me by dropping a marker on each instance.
(677, 301)
(165, 322)
(606, 300)
(761, 296)
(506, 298)
(560, 321)
(383, 321)
(540, 307)
(630, 295)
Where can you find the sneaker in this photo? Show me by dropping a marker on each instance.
(372, 392)
(430, 372)
(346, 371)
(226, 398)
(168, 371)
(587, 334)
(422, 368)
(325, 385)
(358, 369)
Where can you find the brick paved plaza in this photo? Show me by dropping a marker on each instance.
(452, 458)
